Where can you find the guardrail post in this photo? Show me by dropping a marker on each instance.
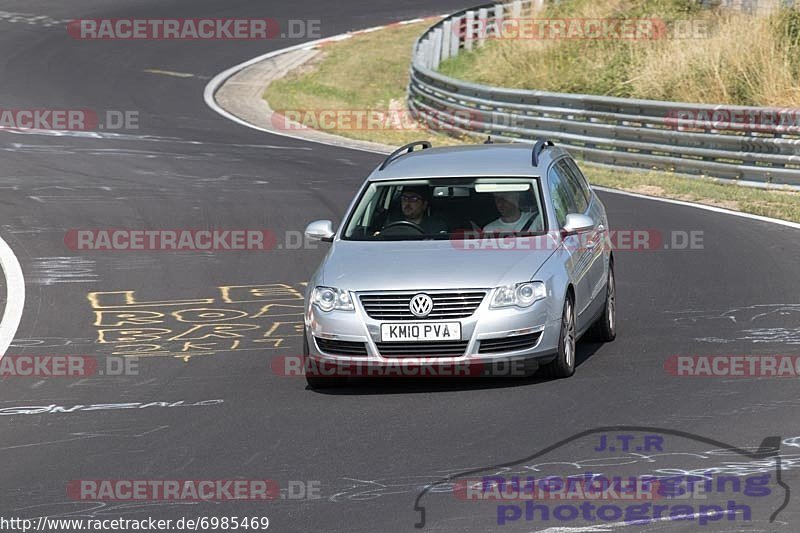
(455, 43)
(498, 21)
(437, 48)
(447, 36)
(483, 22)
(469, 30)
(516, 9)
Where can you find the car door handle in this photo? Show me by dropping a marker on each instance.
(592, 243)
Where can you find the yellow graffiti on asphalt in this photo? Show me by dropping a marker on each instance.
(236, 318)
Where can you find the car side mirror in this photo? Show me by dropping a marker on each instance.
(320, 230)
(576, 223)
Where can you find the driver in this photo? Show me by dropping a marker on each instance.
(512, 218)
(414, 201)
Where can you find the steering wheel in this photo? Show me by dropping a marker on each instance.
(400, 225)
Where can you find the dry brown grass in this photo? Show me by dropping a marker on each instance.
(748, 60)
(731, 58)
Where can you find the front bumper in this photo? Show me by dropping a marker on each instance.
(337, 327)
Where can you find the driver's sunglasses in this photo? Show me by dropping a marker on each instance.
(410, 198)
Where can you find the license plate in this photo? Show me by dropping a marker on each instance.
(421, 331)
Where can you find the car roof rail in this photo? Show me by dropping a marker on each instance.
(408, 148)
(540, 145)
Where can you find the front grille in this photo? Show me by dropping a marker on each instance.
(509, 344)
(422, 349)
(446, 305)
(334, 347)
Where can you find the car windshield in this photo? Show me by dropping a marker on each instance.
(452, 208)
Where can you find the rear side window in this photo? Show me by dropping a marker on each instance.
(572, 182)
(581, 179)
(562, 196)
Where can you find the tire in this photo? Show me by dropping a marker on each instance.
(314, 381)
(606, 326)
(563, 366)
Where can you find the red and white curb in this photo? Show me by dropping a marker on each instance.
(217, 81)
(350, 34)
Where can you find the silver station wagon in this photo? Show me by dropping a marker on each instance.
(489, 256)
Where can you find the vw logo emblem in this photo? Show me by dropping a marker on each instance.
(421, 305)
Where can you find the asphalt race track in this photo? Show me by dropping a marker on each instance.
(361, 455)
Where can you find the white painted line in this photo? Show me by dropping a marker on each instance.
(369, 30)
(15, 296)
(168, 73)
(722, 210)
(216, 82)
(342, 37)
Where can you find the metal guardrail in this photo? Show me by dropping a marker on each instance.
(733, 142)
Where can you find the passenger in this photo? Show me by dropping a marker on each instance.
(512, 218)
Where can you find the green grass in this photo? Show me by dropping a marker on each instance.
(769, 203)
(340, 80)
(366, 72)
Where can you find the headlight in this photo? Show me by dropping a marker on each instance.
(519, 295)
(327, 299)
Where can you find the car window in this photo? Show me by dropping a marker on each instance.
(454, 208)
(561, 194)
(579, 177)
(571, 181)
